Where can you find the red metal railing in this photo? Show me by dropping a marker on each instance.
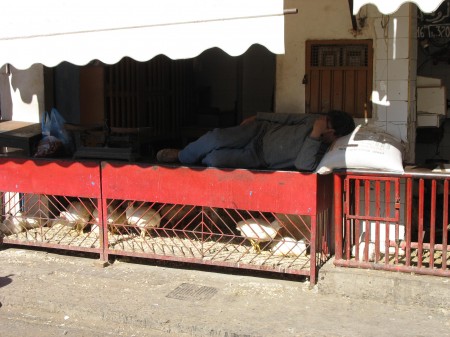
(272, 221)
(51, 204)
(393, 222)
(205, 215)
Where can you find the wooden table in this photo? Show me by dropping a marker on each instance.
(22, 135)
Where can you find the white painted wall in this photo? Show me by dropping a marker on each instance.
(22, 93)
(324, 19)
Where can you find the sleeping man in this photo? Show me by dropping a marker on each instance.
(267, 140)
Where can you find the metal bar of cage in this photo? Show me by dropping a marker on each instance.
(219, 201)
(45, 214)
(256, 220)
(414, 237)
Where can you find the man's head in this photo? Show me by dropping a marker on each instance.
(333, 125)
(341, 122)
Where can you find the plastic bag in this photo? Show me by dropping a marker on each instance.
(46, 120)
(57, 128)
(49, 146)
(53, 132)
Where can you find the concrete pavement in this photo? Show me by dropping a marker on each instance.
(386, 287)
(76, 297)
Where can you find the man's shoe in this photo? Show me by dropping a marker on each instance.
(167, 155)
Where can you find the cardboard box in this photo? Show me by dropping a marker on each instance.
(423, 81)
(432, 100)
(426, 119)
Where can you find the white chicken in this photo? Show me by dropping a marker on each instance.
(77, 216)
(115, 218)
(362, 247)
(258, 230)
(19, 222)
(35, 220)
(142, 216)
(288, 246)
(371, 248)
(12, 224)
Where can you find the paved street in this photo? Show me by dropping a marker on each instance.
(42, 325)
(47, 294)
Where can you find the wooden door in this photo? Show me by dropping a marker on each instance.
(339, 76)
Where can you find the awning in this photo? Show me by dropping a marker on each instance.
(390, 6)
(79, 31)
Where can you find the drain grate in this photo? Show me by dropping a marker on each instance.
(187, 291)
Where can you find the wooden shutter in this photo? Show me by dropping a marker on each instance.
(156, 94)
(339, 76)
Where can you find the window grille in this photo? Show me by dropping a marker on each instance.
(339, 55)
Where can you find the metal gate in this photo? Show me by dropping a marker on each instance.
(393, 222)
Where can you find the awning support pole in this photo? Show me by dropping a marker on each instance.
(290, 11)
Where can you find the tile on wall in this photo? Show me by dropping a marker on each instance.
(399, 48)
(381, 70)
(398, 129)
(381, 26)
(397, 112)
(398, 27)
(398, 90)
(380, 93)
(398, 69)
(380, 113)
(381, 49)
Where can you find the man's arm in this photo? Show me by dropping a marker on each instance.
(248, 120)
(313, 147)
(284, 118)
(310, 154)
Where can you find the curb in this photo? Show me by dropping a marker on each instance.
(385, 286)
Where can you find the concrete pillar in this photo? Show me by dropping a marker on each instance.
(395, 73)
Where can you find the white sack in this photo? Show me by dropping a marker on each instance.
(365, 148)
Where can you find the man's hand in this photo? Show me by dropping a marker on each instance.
(248, 120)
(322, 130)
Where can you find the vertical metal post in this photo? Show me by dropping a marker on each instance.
(368, 222)
(408, 218)
(103, 227)
(397, 217)
(357, 222)
(420, 222)
(313, 250)
(377, 223)
(338, 216)
(445, 225)
(387, 203)
(432, 230)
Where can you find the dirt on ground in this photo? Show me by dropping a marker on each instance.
(55, 294)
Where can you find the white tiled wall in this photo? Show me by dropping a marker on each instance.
(394, 57)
